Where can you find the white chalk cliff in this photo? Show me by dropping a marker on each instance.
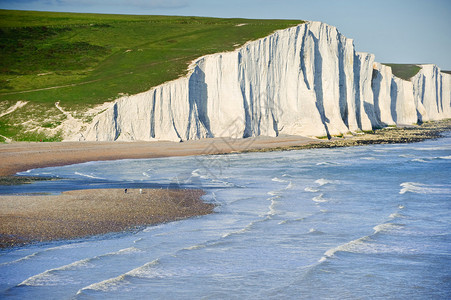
(306, 80)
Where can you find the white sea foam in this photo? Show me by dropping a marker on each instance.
(366, 245)
(115, 283)
(196, 173)
(369, 158)
(195, 247)
(352, 246)
(311, 190)
(247, 228)
(289, 186)
(387, 228)
(51, 278)
(323, 181)
(418, 160)
(315, 231)
(438, 148)
(319, 199)
(274, 193)
(87, 175)
(30, 256)
(327, 163)
(272, 207)
(291, 221)
(395, 216)
(420, 188)
(276, 179)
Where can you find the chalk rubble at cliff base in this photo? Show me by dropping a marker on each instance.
(306, 80)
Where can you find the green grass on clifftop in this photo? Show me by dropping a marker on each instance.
(99, 56)
(404, 71)
(82, 60)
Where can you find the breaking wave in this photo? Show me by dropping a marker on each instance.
(420, 188)
(323, 181)
(88, 176)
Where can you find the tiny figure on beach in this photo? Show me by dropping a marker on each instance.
(140, 191)
(125, 191)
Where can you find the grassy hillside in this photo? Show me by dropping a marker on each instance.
(82, 60)
(404, 71)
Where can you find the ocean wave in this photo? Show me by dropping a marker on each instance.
(274, 193)
(195, 247)
(87, 175)
(272, 207)
(418, 160)
(396, 216)
(115, 283)
(291, 221)
(420, 188)
(30, 256)
(439, 148)
(51, 278)
(366, 245)
(430, 159)
(323, 181)
(314, 231)
(276, 179)
(352, 246)
(369, 158)
(319, 198)
(36, 254)
(311, 190)
(387, 227)
(247, 228)
(327, 163)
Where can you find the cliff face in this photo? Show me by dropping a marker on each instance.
(306, 80)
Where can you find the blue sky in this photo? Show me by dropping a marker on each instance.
(400, 31)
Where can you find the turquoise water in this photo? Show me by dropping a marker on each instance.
(357, 223)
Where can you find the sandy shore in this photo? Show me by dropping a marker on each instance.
(21, 156)
(73, 214)
(17, 157)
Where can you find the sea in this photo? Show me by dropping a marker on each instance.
(367, 222)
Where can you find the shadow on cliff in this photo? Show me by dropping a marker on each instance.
(198, 98)
(394, 99)
(318, 85)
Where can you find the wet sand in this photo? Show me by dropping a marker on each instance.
(21, 156)
(74, 214)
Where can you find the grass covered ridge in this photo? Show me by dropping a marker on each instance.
(82, 60)
(404, 71)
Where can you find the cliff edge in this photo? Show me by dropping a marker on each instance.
(306, 80)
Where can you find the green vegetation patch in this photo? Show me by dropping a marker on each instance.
(82, 60)
(404, 71)
(87, 59)
(18, 180)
